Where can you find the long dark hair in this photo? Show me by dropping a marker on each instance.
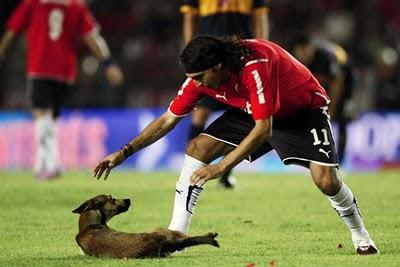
(204, 52)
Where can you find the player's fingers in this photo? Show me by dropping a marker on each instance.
(200, 182)
(96, 175)
(96, 170)
(192, 178)
(102, 169)
(107, 173)
(101, 165)
(195, 179)
(99, 173)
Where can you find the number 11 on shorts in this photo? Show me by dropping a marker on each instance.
(316, 139)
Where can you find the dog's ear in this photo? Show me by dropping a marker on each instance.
(84, 207)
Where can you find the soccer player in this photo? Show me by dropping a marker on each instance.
(246, 19)
(53, 29)
(331, 65)
(276, 104)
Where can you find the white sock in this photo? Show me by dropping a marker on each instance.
(346, 206)
(40, 139)
(186, 196)
(52, 156)
(47, 155)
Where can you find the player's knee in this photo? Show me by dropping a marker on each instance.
(198, 148)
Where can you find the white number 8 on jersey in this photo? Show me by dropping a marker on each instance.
(56, 19)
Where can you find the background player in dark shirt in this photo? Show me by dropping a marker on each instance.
(331, 65)
(245, 18)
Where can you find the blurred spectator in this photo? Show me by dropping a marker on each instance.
(387, 80)
(53, 27)
(149, 52)
(6, 8)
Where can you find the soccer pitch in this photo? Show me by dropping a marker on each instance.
(269, 217)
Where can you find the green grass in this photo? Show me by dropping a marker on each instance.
(282, 217)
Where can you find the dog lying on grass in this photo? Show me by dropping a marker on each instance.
(97, 239)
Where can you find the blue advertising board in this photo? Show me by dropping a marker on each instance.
(86, 136)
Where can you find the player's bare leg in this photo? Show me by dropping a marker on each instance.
(47, 163)
(342, 200)
(200, 151)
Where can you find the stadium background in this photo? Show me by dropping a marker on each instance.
(145, 39)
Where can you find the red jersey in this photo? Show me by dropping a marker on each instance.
(272, 83)
(53, 28)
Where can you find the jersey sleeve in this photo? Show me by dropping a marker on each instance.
(185, 100)
(88, 22)
(189, 7)
(21, 17)
(263, 86)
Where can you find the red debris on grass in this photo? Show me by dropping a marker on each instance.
(251, 264)
(272, 263)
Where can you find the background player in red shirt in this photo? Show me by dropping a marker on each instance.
(53, 30)
(276, 104)
(246, 19)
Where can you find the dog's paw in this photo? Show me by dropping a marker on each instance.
(212, 237)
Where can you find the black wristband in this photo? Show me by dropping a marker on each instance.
(124, 152)
(107, 62)
(127, 150)
(130, 149)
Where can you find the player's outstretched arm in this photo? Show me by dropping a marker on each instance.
(5, 42)
(154, 131)
(98, 46)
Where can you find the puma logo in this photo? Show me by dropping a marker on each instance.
(326, 153)
(221, 96)
(179, 191)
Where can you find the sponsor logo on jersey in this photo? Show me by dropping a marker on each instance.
(222, 96)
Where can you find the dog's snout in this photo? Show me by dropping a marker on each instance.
(127, 201)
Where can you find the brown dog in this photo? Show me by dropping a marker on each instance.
(97, 239)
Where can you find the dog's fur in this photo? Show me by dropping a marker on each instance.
(97, 239)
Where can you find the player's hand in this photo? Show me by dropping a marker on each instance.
(114, 75)
(108, 163)
(206, 173)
